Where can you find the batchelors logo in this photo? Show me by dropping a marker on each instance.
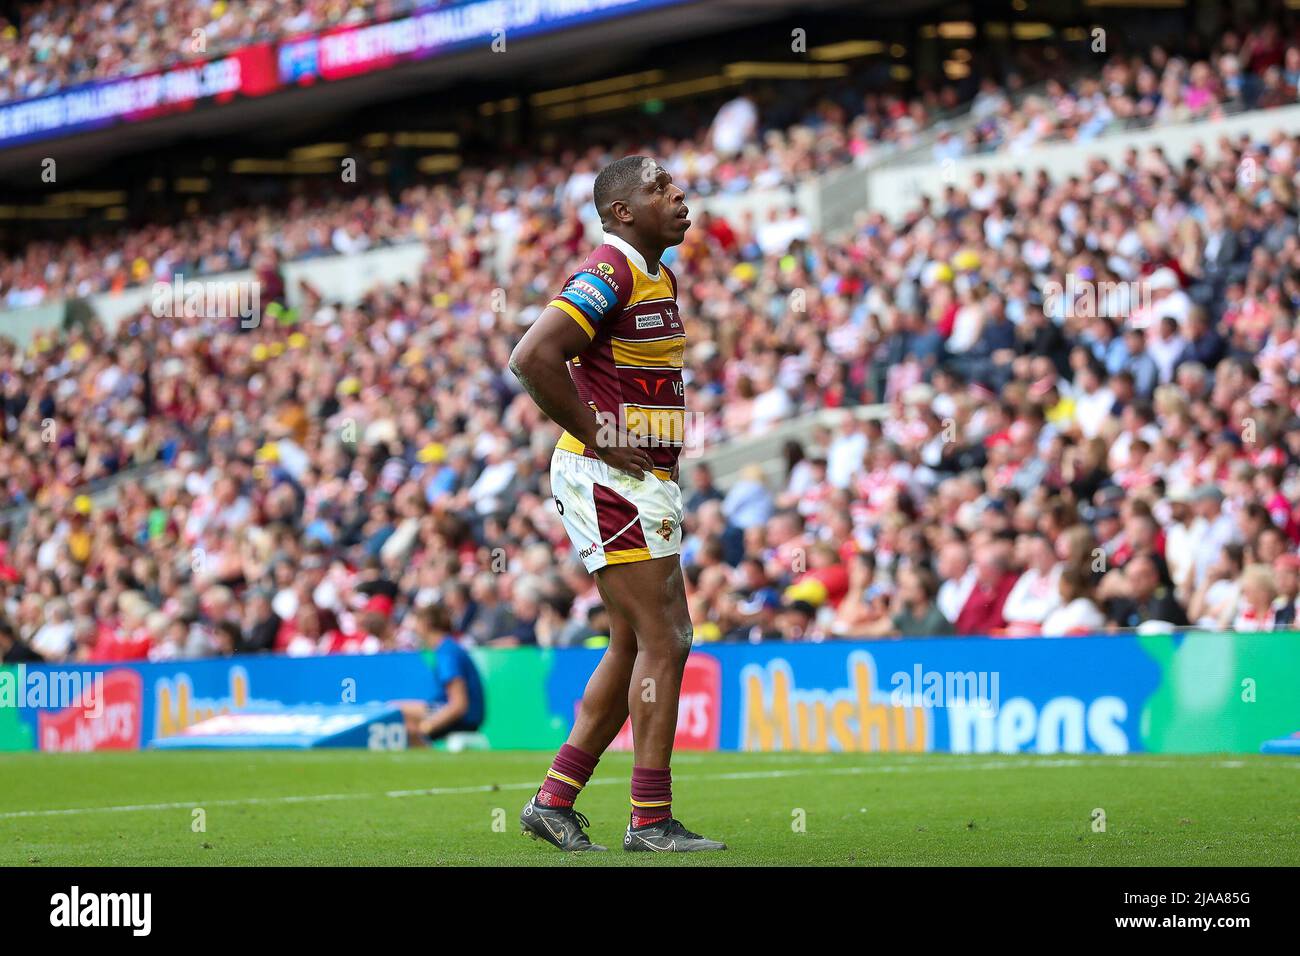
(699, 708)
(116, 725)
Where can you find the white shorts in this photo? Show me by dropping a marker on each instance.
(611, 517)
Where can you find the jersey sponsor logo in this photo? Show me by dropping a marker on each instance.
(589, 290)
(678, 387)
(654, 320)
(592, 294)
(666, 529)
(606, 277)
(588, 551)
(645, 385)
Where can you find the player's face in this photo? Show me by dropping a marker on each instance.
(659, 208)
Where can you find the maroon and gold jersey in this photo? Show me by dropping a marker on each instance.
(631, 372)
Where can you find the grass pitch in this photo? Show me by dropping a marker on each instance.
(423, 808)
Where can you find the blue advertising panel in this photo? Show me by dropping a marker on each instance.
(1187, 693)
(129, 707)
(969, 695)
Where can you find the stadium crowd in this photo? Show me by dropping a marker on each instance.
(1119, 452)
(1090, 387)
(780, 139)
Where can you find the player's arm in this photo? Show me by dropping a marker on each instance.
(540, 362)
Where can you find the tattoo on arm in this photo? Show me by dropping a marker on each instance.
(559, 402)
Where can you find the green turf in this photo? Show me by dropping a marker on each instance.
(355, 807)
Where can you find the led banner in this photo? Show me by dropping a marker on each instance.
(332, 54)
(249, 71)
(356, 49)
(1190, 693)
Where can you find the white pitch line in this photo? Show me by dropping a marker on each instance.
(1005, 764)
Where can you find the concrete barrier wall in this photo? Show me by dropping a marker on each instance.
(339, 278)
(728, 459)
(22, 325)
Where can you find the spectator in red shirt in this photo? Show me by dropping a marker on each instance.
(131, 639)
(719, 230)
(994, 579)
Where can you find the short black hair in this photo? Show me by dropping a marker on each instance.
(617, 180)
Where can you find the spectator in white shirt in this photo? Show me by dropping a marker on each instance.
(1215, 601)
(958, 577)
(847, 451)
(1166, 347)
(735, 126)
(489, 492)
(771, 405)
(1180, 553)
(1168, 299)
(1093, 403)
(54, 640)
(1037, 591)
(775, 235)
(1212, 531)
(1255, 610)
(350, 239)
(1077, 612)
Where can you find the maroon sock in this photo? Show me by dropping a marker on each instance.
(566, 778)
(652, 795)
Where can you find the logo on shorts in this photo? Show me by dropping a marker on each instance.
(587, 552)
(666, 529)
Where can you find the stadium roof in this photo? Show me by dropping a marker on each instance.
(592, 45)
